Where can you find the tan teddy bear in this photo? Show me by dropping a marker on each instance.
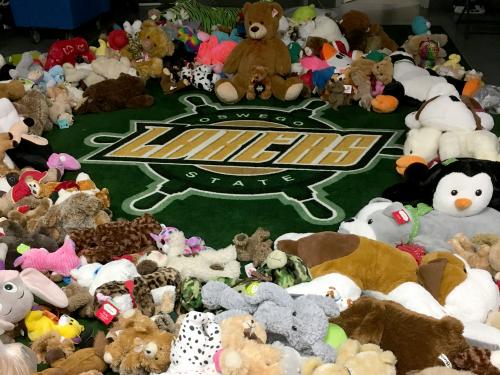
(260, 83)
(253, 248)
(354, 359)
(263, 46)
(245, 351)
(148, 49)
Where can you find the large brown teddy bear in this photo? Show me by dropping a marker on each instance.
(147, 50)
(262, 47)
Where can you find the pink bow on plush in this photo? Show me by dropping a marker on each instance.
(62, 261)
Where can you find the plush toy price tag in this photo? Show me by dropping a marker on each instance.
(107, 313)
(347, 89)
(249, 268)
(443, 358)
(401, 217)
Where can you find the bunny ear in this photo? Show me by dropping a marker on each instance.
(43, 288)
(7, 275)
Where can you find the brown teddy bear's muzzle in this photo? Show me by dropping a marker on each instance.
(257, 31)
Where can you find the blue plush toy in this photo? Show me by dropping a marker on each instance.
(53, 77)
(420, 25)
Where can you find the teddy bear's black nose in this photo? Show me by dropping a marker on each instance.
(254, 29)
(28, 121)
(350, 220)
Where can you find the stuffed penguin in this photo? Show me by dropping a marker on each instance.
(457, 187)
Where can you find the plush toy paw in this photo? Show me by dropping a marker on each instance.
(405, 161)
(384, 104)
(227, 93)
(471, 87)
(294, 91)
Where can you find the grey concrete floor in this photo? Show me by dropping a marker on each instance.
(481, 51)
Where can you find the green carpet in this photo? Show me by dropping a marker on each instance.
(199, 186)
(215, 170)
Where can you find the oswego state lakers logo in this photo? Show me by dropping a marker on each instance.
(245, 152)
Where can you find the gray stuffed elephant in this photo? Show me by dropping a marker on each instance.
(301, 323)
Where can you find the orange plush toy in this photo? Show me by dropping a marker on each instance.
(262, 47)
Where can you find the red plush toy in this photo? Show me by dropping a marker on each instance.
(67, 51)
(117, 39)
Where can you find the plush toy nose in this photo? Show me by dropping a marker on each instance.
(463, 203)
(254, 29)
(146, 44)
(28, 121)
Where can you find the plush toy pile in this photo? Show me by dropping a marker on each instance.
(410, 285)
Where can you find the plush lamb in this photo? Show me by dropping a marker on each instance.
(206, 265)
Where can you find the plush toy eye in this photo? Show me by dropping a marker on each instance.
(294, 328)
(370, 221)
(10, 288)
(411, 152)
(479, 192)
(294, 313)
(454, 192)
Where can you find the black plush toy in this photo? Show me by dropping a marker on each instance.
(454, 177)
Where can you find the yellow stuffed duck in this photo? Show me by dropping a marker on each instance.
(39, 322)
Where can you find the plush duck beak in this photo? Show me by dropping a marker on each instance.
(462, 203)
(405, 161)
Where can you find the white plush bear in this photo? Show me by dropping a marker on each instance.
(111, 68)
(429, 143)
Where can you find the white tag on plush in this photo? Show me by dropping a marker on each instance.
(275, 12)
(249, 268)
(443, 358)
(347, 89)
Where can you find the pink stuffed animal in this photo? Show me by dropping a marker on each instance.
(213, 53)
(61, 261)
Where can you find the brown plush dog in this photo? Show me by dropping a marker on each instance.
(112, 94)
(263, 46)
(416, 340)
(260, 83)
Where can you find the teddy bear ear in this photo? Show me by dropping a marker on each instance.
(246, 6)
(277, 10)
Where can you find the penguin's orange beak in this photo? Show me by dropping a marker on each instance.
(463, 203)
(405, 161)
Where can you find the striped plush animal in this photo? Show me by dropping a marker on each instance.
(208, 16)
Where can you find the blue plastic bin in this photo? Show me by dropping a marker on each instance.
(56, 14)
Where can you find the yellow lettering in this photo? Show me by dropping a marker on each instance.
(186, 144)
(310, 148)
(137, 147)
(256, 152)
(228, 142)
(350, 150)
